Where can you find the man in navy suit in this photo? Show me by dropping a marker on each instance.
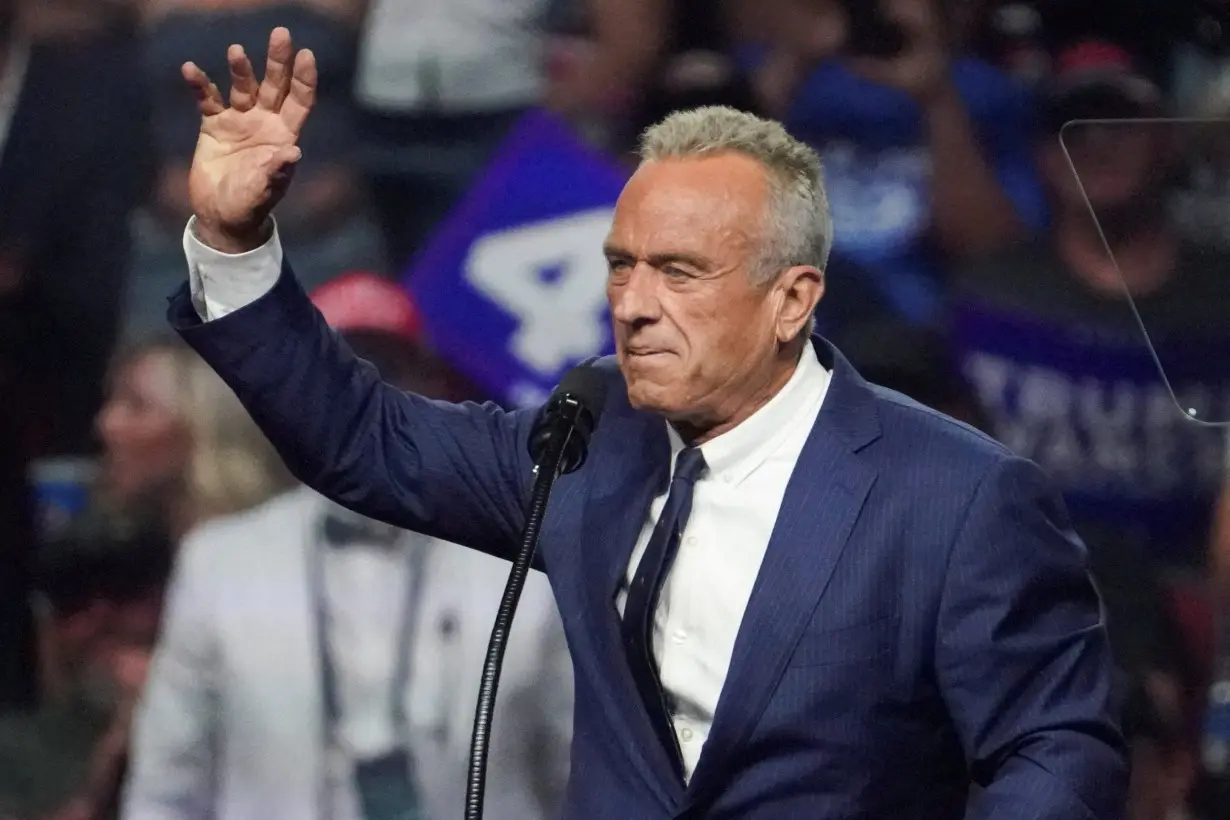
(787, 592)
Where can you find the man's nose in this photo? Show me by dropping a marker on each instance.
(634, 299)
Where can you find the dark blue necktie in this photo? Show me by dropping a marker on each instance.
(642, 598)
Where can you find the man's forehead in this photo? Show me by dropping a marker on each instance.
(729, 175)
(694, 195)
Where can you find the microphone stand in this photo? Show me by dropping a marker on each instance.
(546, 471)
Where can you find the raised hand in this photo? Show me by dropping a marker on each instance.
(246, 152)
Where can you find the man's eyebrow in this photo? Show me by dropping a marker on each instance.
(691, 260)
(660, 259)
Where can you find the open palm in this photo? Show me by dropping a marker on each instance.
(245, 152)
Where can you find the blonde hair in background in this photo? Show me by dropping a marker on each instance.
(232, 466)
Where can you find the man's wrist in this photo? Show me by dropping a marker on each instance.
(230, 242)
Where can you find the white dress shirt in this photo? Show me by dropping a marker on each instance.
(734, 507)
(366, 586)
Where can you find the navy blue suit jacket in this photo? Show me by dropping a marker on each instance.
(923, 616)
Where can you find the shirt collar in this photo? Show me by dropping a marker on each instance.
(735, 454)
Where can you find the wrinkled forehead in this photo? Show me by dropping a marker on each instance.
(717, 204)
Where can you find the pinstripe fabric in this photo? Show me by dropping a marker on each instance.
(923, 613)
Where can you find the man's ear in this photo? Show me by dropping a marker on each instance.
(801, 288)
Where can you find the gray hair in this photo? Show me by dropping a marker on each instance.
(799, 228)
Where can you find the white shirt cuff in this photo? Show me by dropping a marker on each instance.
(222, 283)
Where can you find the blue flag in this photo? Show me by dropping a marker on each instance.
(512, 287)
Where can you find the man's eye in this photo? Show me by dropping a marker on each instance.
(675, 273)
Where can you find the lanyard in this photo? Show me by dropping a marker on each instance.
(415, 561)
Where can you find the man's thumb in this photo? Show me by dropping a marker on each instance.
(287, 156)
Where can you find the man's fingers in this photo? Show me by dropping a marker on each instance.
(208, 97)
(276, 85)
(244, 87)
(298, 104)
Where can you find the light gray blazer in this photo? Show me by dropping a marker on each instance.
(231, 723)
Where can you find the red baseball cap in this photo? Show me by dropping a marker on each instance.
(362, 301)
(1099, 80)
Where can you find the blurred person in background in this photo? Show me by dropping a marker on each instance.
(1049, 336)
(1183, 45)
(926, 151)
(1011, 32)
(440, 83)
(619, 66)
(101, 593)
(290, 628)
(1050, 342)
(178, 448)
(333, 221)
(72, 155)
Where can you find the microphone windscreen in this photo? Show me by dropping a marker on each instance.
(586, 385)
(572, 411)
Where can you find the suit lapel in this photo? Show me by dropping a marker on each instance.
(823, 499)
(614, 516)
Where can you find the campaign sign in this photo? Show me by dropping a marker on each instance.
(512, 288)
(1089, 405)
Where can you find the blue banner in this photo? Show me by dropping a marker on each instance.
(512, 288)
(1092, 409)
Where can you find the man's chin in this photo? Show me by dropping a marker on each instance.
(651, 397)
(653, 379)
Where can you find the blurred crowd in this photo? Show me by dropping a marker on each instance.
(1031, 202)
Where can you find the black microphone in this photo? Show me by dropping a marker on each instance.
(558, 443)
(569, 417)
